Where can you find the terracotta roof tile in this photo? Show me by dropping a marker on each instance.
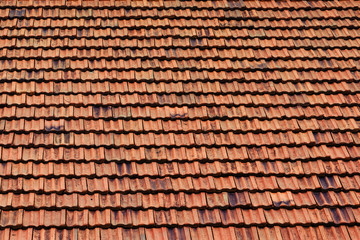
(179, 119)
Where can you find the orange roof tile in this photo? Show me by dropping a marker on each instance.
(175, 119)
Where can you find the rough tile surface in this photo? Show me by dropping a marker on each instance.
(179, 119)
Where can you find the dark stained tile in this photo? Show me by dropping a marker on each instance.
(179, 119)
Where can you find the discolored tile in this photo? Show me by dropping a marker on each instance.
(179, 119)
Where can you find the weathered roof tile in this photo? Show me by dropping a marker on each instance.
(125, 119)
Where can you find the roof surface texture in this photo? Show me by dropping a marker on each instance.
(179, 119)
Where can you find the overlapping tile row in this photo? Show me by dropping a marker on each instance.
(179, 119)
(277, 232)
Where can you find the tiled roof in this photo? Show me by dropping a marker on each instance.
(179, 119)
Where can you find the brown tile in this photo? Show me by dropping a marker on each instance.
(182, 184)
(12, 153)
(304, 199)
(119, 184)
(160, 233)
(346, 198)
(319, 215)
(6, 234)
(109, 200)
(77, 218)
(177, 120)
(95, 184)
(276, 216)
(195, 200)
(253, 216)
(94, 153)
(353, 231)
(21, 233)
(261, 199)
(7, 200)
(269, 232)
(66, 200)
(201, 233)
(12, 218)
(187, 217)
(121, 217)
(99, 218)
